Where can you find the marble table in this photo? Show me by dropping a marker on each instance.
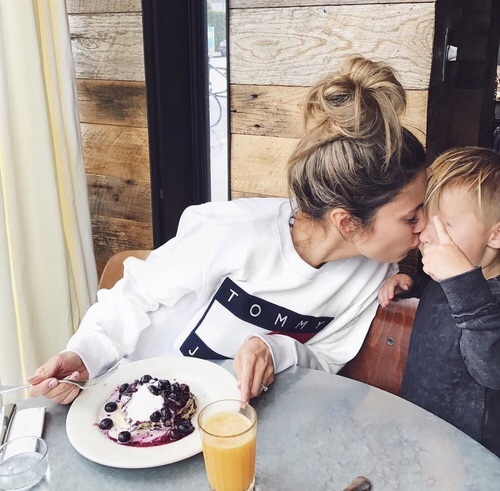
(316, 431)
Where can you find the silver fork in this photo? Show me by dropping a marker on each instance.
(83, 384)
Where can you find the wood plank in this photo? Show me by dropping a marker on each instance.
(248, 4)
(258, 164)
(112, 102)
(296, 46)
(277, 111)
(93, 6)
(267, 110)
(119, 198)
(107, 46)
(415, 118)
(112, 235)
(242, 194)
(116, 151)
(115, 234)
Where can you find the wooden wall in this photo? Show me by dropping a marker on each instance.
(106, 39)
(278, 48)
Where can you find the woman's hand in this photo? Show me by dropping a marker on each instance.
(64, 365)
(392, 285)
(254, 367)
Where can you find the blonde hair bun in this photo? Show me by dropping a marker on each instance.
(362, 100)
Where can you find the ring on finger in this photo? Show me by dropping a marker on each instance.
(264, 388)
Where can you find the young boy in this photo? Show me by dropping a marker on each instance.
(453, 367)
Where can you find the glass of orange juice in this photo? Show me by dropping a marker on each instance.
(228, 429)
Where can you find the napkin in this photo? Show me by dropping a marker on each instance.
(26, 422)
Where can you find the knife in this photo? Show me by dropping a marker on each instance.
(8, 412)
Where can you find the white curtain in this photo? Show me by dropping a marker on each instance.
(48, 277)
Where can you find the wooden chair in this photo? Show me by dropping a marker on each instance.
(382, 358)
(113, 270)
(381, 361)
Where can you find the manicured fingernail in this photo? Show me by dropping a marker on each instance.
(53, 383)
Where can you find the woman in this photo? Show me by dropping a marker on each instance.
(271, 282)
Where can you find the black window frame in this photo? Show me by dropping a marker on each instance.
(176, 74)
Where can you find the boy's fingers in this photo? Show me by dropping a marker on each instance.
(441, 231)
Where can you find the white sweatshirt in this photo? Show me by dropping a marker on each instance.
(232, 272)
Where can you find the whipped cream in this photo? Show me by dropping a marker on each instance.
(143, 404)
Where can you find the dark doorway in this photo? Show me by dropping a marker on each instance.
(461, 109)
(176, 69)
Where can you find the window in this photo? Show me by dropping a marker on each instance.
(218, 99)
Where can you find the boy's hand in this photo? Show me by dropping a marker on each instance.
(392, 285)
(444, 258)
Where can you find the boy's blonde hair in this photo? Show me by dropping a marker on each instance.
(475, 169)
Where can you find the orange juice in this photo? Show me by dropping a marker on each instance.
(229, 451)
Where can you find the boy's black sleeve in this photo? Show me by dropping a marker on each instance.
(475, 305)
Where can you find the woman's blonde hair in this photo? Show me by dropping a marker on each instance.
(476, 170)
(356, 154)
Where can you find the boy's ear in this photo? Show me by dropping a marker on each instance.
(494, 240)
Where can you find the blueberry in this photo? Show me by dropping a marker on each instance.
(175, 387)
(165, 413)
(110, 407)
(155, 417)
(164, 385)
(123, 388)
(154, 390)
(185, 428)
(174, 434)
(174, 400)
(106, 424)
(146, 378)
(124, 436)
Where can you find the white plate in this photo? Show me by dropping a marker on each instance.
(207, 381)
